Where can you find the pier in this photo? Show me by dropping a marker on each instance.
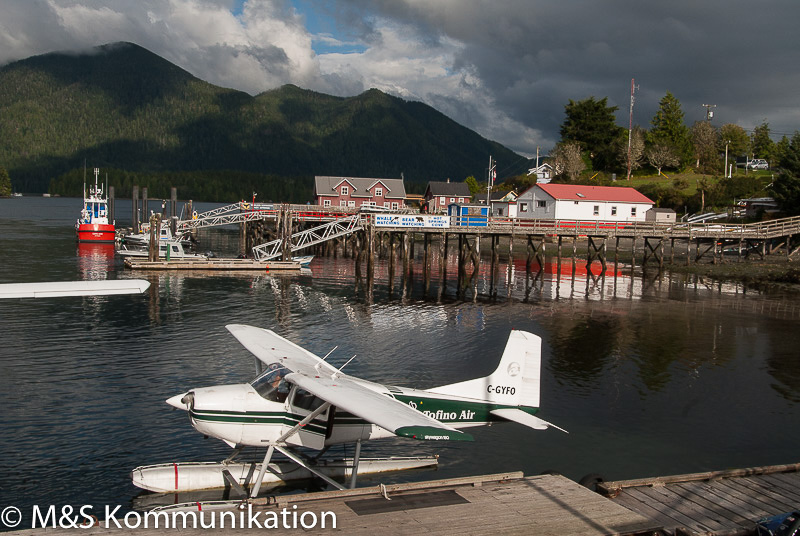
(723, 503)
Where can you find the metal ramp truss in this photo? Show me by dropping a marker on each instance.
(309, 237)
(223, 216)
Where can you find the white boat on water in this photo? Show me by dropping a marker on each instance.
(167, 250)
(143, 238)
(304, 261)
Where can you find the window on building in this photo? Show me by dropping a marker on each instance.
(342, 203)
(460, 199)
(345, 190)
(441, 200)
(541, 203)
(452, 199)
(613, 211)
(395, 206)
(633, 212)
(378, 192)
(596, 210)
(523, 207)
(326, 202)
(386, 204)
(351, 203)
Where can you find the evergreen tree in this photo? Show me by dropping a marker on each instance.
(786, 188)
(763, 146)
(669, 130)
(5, 183)
(592, 124)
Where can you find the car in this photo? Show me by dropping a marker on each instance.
(758, 163)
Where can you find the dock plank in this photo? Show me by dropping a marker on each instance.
(694, 517)
(777, 502)
(753, 504)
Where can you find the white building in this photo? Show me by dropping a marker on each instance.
(543, 173)
(579, 202)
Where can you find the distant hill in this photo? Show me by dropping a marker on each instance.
(120, 106)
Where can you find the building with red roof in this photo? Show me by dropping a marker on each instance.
(579, 202)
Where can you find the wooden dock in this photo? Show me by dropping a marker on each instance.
(720, 502)
(547, 505)
(213, 265)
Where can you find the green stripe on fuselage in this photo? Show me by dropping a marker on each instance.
(258, 417)
(457, 412)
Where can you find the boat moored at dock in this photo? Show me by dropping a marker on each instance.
(93, 224)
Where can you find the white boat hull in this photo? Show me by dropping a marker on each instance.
(198, 476)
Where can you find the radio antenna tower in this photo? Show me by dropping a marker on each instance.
(630, 126)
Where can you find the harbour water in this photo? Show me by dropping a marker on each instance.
(651, 374)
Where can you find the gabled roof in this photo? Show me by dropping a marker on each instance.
(451, 189)
(579, 192)
(324, 185)
(508, 196)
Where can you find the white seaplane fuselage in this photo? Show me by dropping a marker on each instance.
(240, 416)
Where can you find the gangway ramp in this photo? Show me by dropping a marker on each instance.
(309, 237)
(224, 216)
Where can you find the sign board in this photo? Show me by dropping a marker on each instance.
(412, 221)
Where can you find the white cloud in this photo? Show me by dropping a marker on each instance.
(505, 68)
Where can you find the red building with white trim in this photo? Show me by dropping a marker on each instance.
(355, 192)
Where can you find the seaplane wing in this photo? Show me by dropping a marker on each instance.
(325, 381)
(270, 348)
(349, 395)
(58, 289)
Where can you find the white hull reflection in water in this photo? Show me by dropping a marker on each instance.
(651, 374)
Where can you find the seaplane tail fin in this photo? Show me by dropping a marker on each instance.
(515, 382)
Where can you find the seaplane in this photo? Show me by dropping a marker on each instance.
(300, 400)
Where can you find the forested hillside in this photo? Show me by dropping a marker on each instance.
(125, 108)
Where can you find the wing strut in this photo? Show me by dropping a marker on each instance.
(268, 457)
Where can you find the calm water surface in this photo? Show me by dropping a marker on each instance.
(651, 375)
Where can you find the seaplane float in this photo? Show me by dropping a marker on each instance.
(299, 401)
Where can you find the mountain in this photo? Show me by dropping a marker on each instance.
(120, 106)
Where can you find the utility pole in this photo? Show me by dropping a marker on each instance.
(490, 181)
(630, 126)
(709, 111)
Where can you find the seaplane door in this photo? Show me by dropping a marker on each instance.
(312, 435)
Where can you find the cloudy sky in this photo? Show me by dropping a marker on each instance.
(505, 68)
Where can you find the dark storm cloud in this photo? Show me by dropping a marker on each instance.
(505, 68)
(533, 56)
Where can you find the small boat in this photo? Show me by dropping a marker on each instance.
(93, 225)
(143, 238)
(304, 261)
(167, 250)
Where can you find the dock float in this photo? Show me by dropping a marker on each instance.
(213, 264)
(718, 502)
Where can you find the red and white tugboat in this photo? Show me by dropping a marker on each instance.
(93, 225)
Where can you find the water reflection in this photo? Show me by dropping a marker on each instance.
(651, 373)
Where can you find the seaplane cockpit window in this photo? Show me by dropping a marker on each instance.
(305, 400)
(271, 385)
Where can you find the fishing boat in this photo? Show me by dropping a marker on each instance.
(93, 225)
